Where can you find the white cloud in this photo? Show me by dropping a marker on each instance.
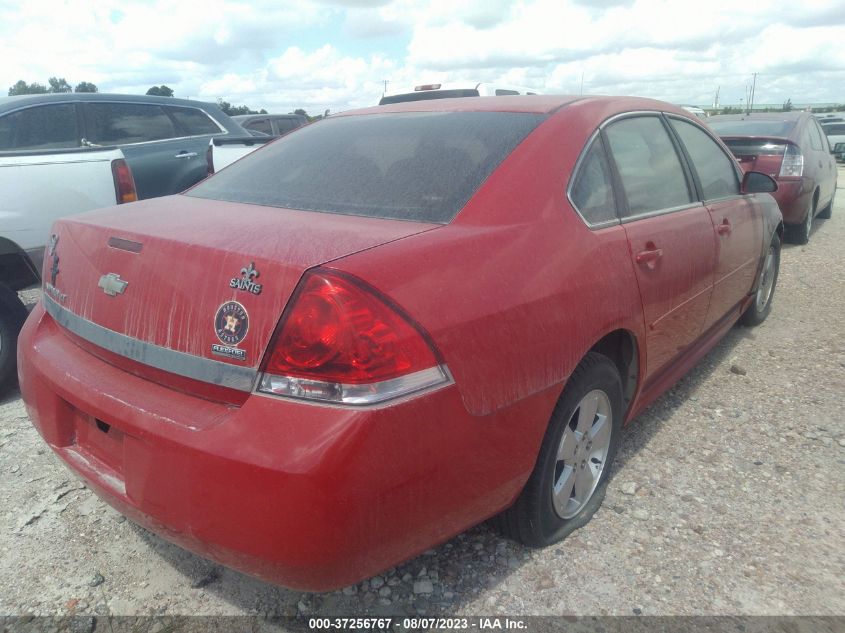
(320, 54)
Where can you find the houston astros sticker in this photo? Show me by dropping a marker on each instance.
(231, 323)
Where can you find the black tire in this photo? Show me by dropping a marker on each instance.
(800, 234)
(760, 307)
(12, 315)
(533, 519)
(825, 213)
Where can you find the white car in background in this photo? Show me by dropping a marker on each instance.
(701, 114)
(451, 90)
(835, 133)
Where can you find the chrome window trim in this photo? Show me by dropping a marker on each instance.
(656, 212)
(575, 172)
(179, 363)
(626, 115)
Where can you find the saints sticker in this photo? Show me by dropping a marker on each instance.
(231, 323)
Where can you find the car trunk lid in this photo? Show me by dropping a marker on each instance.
(200, 278)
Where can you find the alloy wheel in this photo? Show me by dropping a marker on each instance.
(582, 454)
(764, 292)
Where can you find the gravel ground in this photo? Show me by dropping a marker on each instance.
(726, 498)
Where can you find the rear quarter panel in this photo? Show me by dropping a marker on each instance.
(517, 289)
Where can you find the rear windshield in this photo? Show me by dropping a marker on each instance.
(421, 166)
(750, 127)
(425, 95)
(747, 147)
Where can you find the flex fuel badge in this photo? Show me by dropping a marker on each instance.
(231, 324)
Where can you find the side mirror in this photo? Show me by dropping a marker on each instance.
(756, 182)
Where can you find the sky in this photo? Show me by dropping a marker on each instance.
(337, 54)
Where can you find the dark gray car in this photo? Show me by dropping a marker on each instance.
(163, 139)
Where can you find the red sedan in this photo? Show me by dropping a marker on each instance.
(792, 149)
(391, 325)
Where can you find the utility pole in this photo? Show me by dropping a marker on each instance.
(385, 82)
(716, 98)
(753, 87)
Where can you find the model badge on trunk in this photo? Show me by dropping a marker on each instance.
(248, 273)
(50, 286)
(228, 352)
(54, 269)
(112, 284)
(231, 323)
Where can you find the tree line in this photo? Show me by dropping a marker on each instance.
(60, 84)
(54, 84)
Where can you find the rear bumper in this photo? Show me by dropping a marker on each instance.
(308, 496)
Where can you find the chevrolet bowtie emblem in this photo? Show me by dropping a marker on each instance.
(112, 284)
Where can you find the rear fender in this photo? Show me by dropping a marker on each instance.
(772, 226)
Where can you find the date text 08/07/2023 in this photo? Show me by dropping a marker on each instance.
(423, 623)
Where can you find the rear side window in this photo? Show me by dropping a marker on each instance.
(421, 166)
(648, 165)
(822, 139)
(40, 127)
(714, 168)
(592, 193)
(286, 125)
(193, 121)
(123, 123)
(814, 135)
(260, 125)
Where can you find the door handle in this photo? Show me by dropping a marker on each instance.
(650, 256)
(186, 155)
(724, 228)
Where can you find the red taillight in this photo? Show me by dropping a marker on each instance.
(209, 160)
(340, 342)
(792, 165)
(124, 184)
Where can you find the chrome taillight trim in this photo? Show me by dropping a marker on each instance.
(353, 394)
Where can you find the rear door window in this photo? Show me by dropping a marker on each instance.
(815, 136)
(822, 138)
(260, 125)
(592, 192)
(716, 171)
(193, 121)
(40, 127)
(648, 164)
(286, 125)
(421, 166)
(125, 123)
